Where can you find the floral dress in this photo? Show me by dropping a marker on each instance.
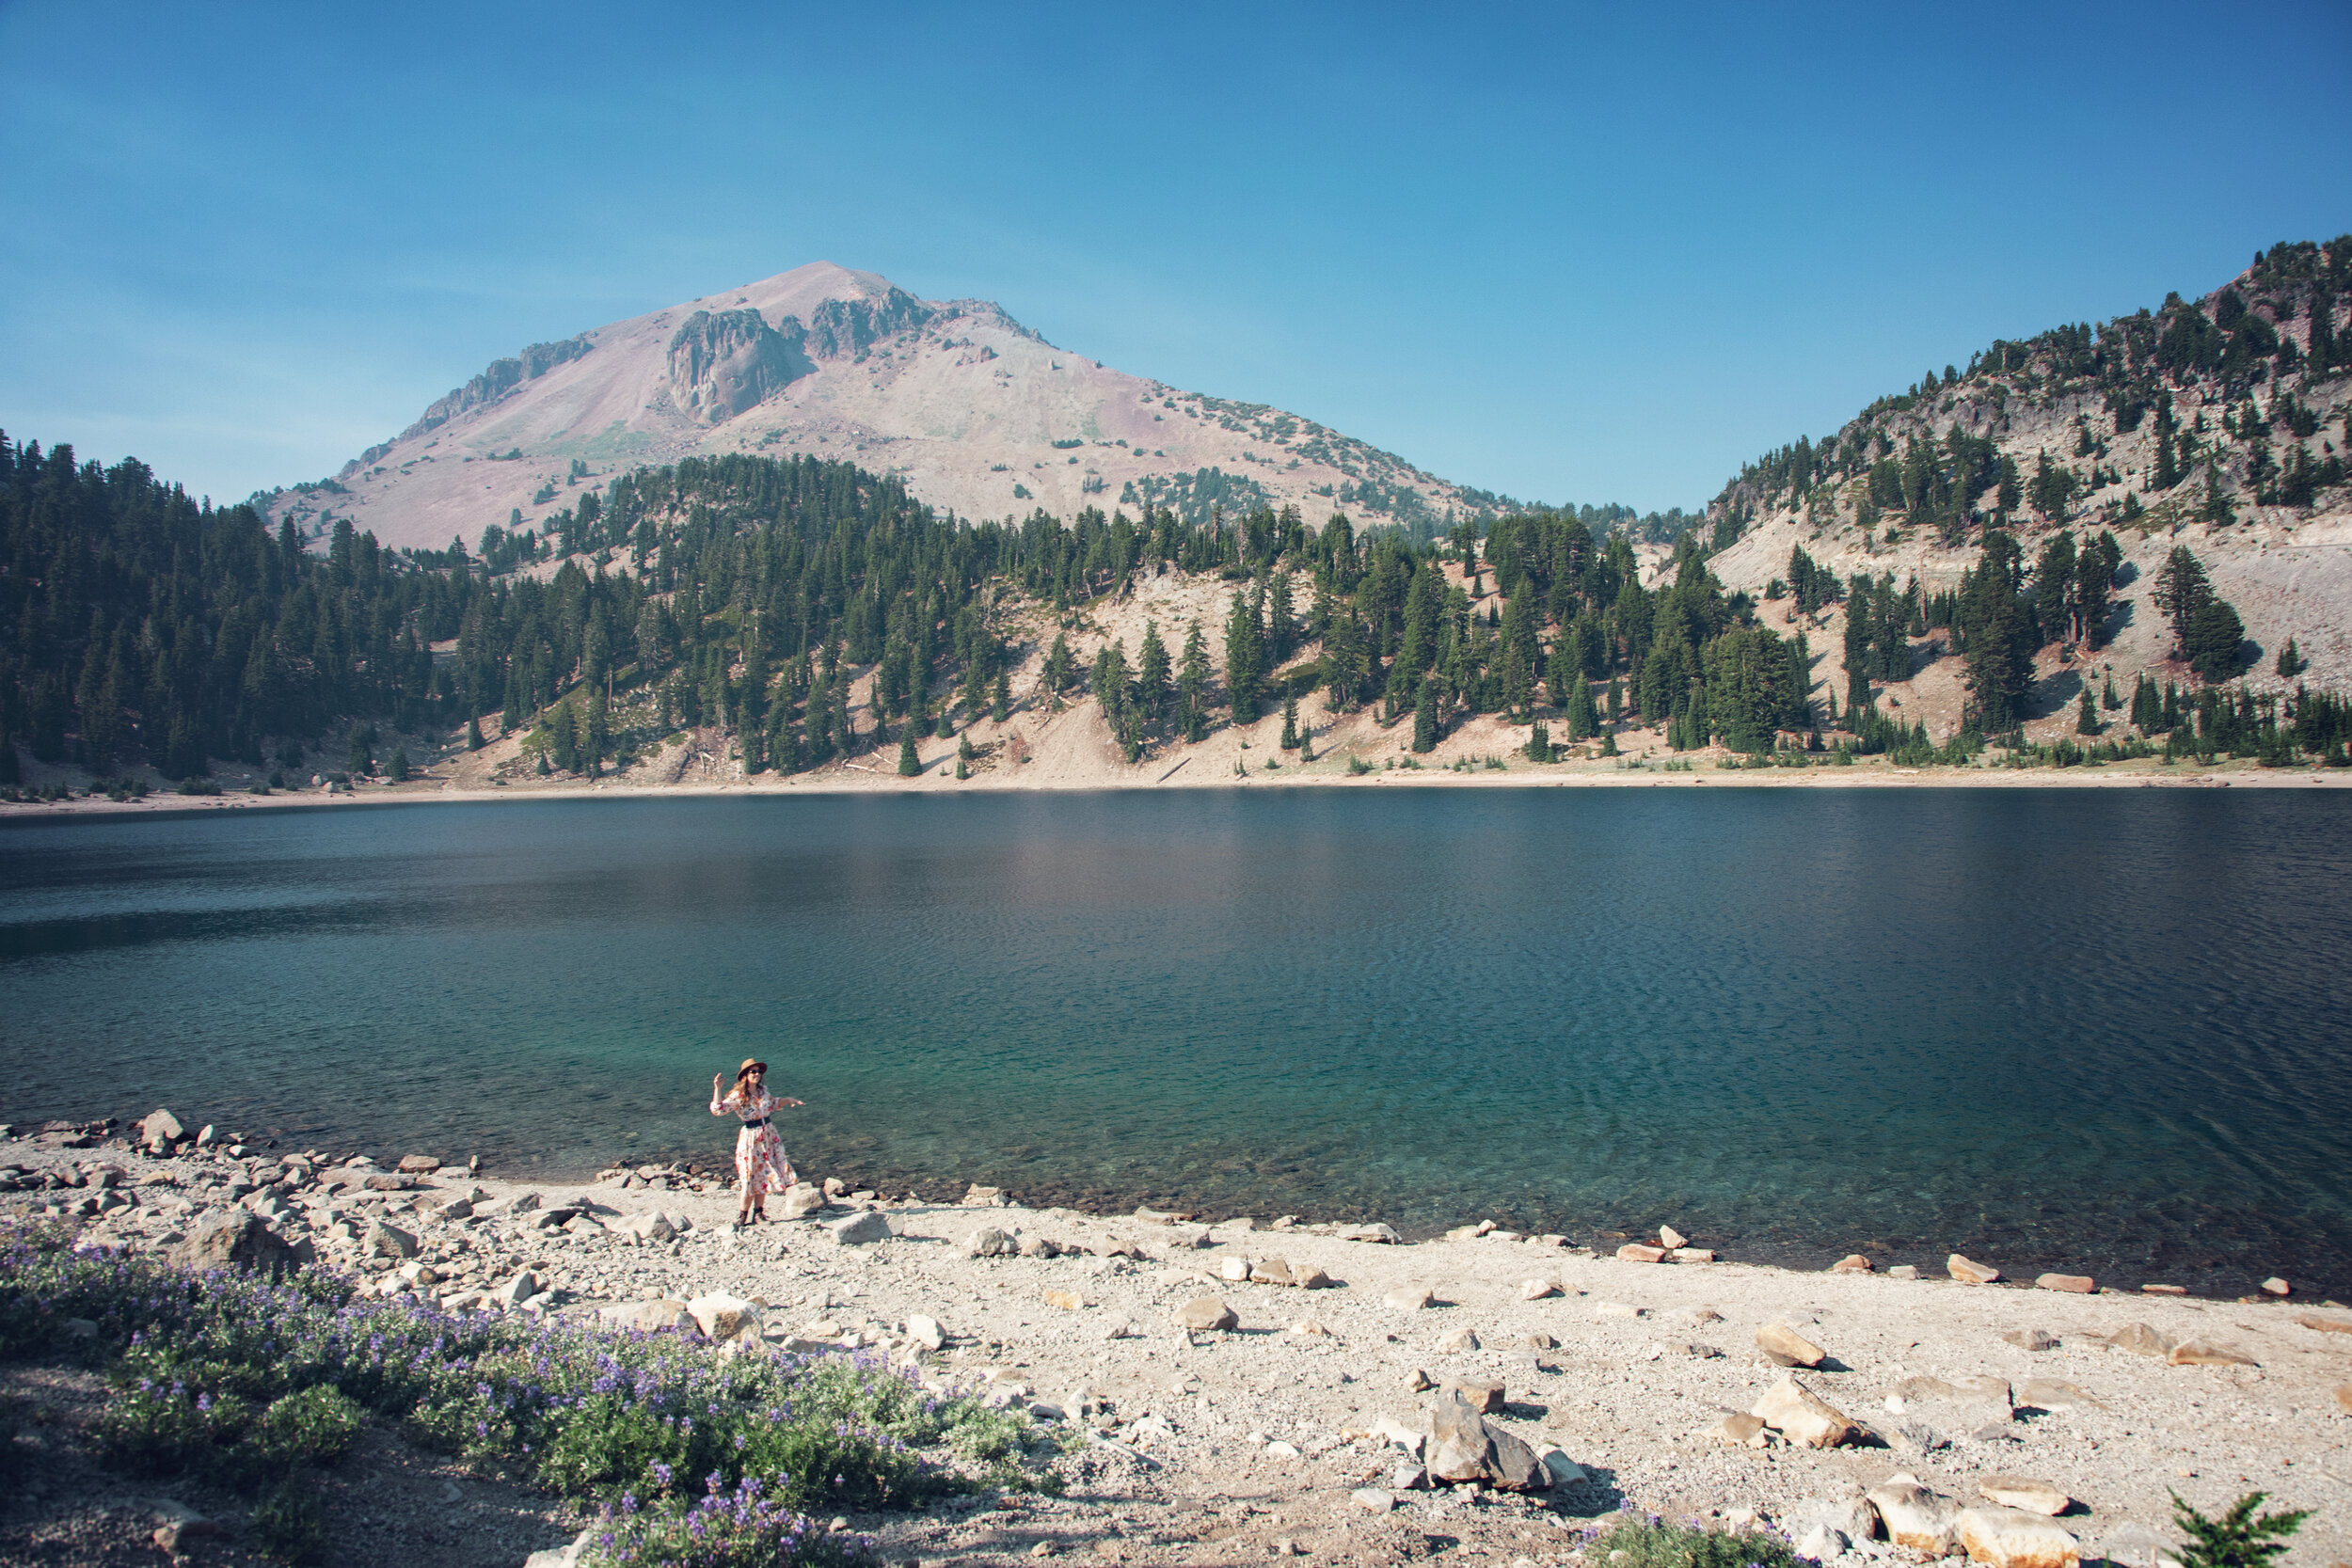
(759, 1162)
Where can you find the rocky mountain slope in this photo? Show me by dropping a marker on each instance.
(2217, 423)
(978, 414)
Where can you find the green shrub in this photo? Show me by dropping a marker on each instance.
(2237, 1538)
(1651, 1543)
(290, 1524)
(314, 1427)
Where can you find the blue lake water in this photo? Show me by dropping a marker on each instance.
(2103, 1029)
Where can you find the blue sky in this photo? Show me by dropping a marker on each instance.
(1568, 253)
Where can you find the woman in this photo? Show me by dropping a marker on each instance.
(759, 1162)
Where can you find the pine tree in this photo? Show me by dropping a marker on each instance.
(1425, 718)
(1151, 682)
(2238, 1539)
(2086, 719)
(909, 763)
(397, 770)
(2108, 698)
(1060, 665)
(1539, 739)
(963, 769)
(2290, 662)
(1000, 698)
(1290, 721)
(1244, 648)
(473, 735)
(1192, 683)
(2182, 589)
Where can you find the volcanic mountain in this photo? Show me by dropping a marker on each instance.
(978, 414)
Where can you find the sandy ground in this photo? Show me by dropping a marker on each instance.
(1220, 1446)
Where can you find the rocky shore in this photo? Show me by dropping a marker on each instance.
(1259, 1387)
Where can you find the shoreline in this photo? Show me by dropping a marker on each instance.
(832, 781)
(1195, 1446)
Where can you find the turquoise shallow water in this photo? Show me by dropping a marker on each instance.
(2103, 1029)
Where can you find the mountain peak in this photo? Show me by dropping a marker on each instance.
(976, 412)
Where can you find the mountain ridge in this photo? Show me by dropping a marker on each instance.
(980, 414)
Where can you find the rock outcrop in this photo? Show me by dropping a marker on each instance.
(725, 361)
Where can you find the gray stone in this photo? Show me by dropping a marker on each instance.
(521, 1288)
(648, 1317)
(1484, 1394)
(1821, 1543)
(2009, 1538)
(1205, 1313)
(723, 1317)
(160, 1129)
(1464, 1445)
(926, 1332)
(1798, 1415)
(1460, 1342)
(1374, 1233)
(2024, 1492)
(233, 1240)
(989, 1241)
(1372, 1497)
(802, 1199)
(386, 1240)
(2031, 1339)
(860, 1228)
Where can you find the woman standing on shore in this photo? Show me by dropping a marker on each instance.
(760, 1163)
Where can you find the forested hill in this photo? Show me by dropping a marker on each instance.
(797, 612)
(2219, 423)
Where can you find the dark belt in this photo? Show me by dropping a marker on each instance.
(761, 1122)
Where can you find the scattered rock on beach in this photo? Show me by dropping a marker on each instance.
(388, 1241)
(2011, 1538)
(802, 1199)
(1270, 1271)
(2325, 1325)
(1374, 1233)
(1204, 1313)
(865, 1226)
(2030, 1338)
(2204, 1353)
(2075, 1284)
(1801, 1415)
(2023, 1492)
(2275, 1286)
(2139, 1340)
(1538, 1290)
(238, 1241)
(1637, 1252)
(1915, 1517)
(159, 1130)
(1784, 1347)
(1969, 1272)
(1460, 1342)
(989, 1241)
(723, 1317)
(1407, 1298)
(1741, 1429)
(1964, 1400)
(1853, 1262)
(1464, 1446)
(1484, 1394)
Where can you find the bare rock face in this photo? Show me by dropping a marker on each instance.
(234, 1240)
(1464, 1445)
(723, 362)
(845, 328)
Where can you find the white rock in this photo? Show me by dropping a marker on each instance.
(1536, 1289)
(2008, 1537)
(723, 1317)
(926, 1330)
(1372, 1497)
(1409, 1298)
(866, 1225)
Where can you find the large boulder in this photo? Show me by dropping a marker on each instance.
(1915, 1517)
(388, 1241)
(234, 1240)
(1794, 1411)
(1464, 1447)
(2011, 1538)
(867, 1225)
(159, 1130)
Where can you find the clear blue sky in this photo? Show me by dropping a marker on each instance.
(1570, 253)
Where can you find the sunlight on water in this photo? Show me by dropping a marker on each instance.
(2092, 1028)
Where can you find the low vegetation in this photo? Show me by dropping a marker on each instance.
(246, 1381)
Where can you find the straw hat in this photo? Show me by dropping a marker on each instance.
(751, 1064)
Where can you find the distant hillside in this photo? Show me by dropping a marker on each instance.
(976, 414)
(2220, 422)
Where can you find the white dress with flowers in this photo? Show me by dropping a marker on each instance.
(759, 1162)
